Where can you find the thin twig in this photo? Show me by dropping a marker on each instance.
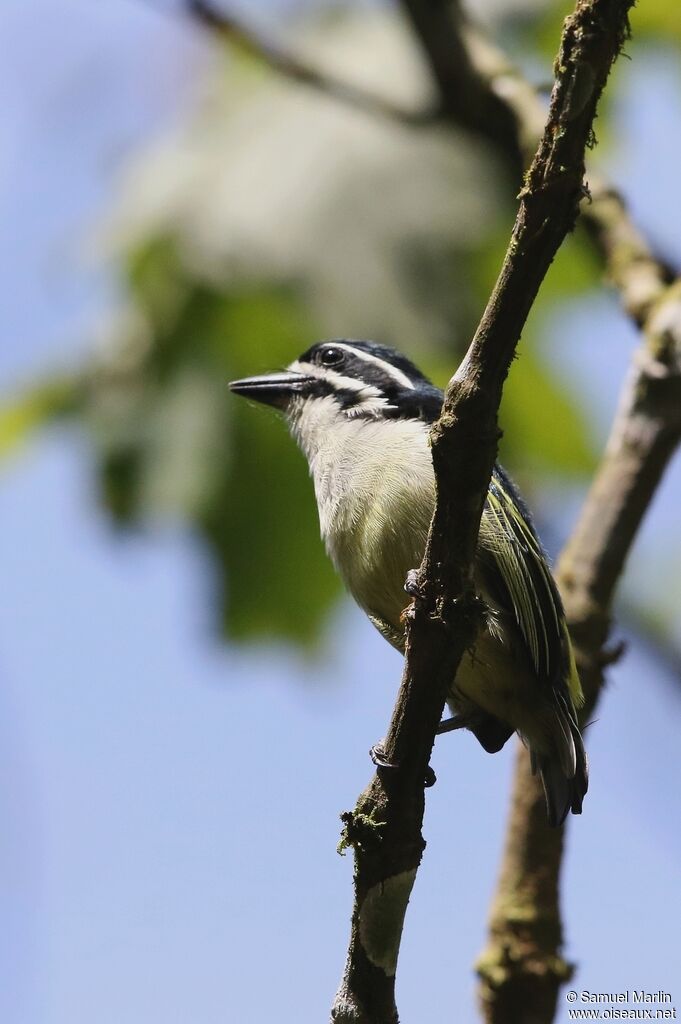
(234, 30)
(467, 98)
(629, 262)
(385, 827)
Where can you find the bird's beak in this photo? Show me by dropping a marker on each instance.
(275, 389)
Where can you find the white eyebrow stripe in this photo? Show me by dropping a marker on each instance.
(341, 382)
(388, 367)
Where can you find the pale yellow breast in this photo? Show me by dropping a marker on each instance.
(377, 531)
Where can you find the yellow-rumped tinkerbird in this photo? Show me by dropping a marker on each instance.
(361, 414)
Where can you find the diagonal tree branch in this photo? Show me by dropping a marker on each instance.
(227, 26)
(522, 965)
(385, 827)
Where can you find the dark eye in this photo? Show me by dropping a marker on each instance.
(331, 356)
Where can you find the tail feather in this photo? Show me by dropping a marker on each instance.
(564, 789)
(565, 744)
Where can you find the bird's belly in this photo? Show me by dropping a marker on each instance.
(492, 679)
(374, 559)
(375, 510)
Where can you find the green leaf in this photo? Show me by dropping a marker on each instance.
(20, 417)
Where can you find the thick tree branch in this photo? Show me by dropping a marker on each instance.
(522, 968)
(385, 827)
(229, 27)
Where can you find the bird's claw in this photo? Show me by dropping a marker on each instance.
(412, 585)
(377, 755)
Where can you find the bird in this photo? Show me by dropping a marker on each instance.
(361, 413)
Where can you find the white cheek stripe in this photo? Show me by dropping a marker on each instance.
(394, 372)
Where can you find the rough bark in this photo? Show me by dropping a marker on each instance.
(522, 968)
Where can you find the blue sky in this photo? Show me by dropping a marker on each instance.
(171, 806)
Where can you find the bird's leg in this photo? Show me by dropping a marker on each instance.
(377, 755)
(450, 724)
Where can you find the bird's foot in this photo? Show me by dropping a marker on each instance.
(412, 585)
(377, 755)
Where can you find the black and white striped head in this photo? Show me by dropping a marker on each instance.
(363, 379)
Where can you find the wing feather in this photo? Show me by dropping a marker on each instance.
(512, 553)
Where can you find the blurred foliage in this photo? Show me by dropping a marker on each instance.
(545, 430)
(534, 404)
(272, 217)
(44, 403)
(171, 440)
(656, 21)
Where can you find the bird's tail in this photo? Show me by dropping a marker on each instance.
(565, 771)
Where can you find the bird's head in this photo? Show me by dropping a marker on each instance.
(353, 380)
